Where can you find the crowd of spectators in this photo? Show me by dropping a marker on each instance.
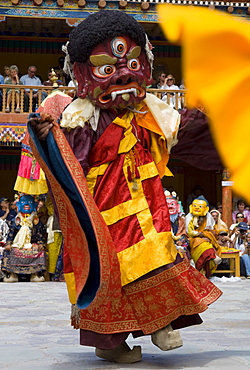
(12, 76)
(167, 82)
(236, 235)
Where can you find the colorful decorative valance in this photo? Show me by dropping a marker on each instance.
(73, 13)
(12, 134)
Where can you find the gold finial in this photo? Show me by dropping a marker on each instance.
(54, 78)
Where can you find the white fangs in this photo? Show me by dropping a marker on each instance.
(125, 91)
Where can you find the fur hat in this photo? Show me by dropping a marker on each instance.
(99, 27)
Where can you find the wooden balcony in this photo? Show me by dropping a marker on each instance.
(13, 123)
(34, 95)
(176, 98)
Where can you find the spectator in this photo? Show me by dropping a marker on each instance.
(245, 257)
(182, 87)
(219, 207)
(169, 84)
(6, 212)
(72, 83)
(6, 73)
(49, 82)
(13, 80)
(240, 236)
(224, 240)
(219, 224)
(160, 81)
(30, 79)
(241, 205)
(232, 228)
(61, 74)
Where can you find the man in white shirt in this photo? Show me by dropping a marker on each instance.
(30, 79)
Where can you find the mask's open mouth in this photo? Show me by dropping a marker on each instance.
(124, 91)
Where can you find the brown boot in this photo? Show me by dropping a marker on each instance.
(13, 278)
(167, 338)
(121, 354)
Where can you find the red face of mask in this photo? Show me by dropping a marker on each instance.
(173, 206)
(116, 74)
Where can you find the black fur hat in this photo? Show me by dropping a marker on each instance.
(99, 27)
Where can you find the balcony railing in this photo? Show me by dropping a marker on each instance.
(31, 97)
(176, 98)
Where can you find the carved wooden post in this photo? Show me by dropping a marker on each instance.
(30, 100)
(13, 100)
(176, 100)
(22, 100)
(39, 97)
(227, 198)
(4, 99)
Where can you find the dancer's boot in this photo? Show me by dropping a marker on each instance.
(167, 338)
(121, 354)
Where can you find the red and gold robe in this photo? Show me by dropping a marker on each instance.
(144, 286)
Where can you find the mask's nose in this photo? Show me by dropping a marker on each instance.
(123, 75)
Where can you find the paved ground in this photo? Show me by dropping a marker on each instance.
(36, 335)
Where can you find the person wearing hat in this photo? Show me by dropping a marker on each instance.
(240, 235)
(232, 228)
(224, 240)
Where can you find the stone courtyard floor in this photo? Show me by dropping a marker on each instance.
(35, 333)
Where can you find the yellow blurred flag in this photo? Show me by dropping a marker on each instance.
(216, 68)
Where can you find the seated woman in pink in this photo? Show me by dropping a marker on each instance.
(241, 205)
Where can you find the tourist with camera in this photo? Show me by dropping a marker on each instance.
(239, 237)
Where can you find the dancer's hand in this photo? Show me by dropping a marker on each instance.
(42, 126)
